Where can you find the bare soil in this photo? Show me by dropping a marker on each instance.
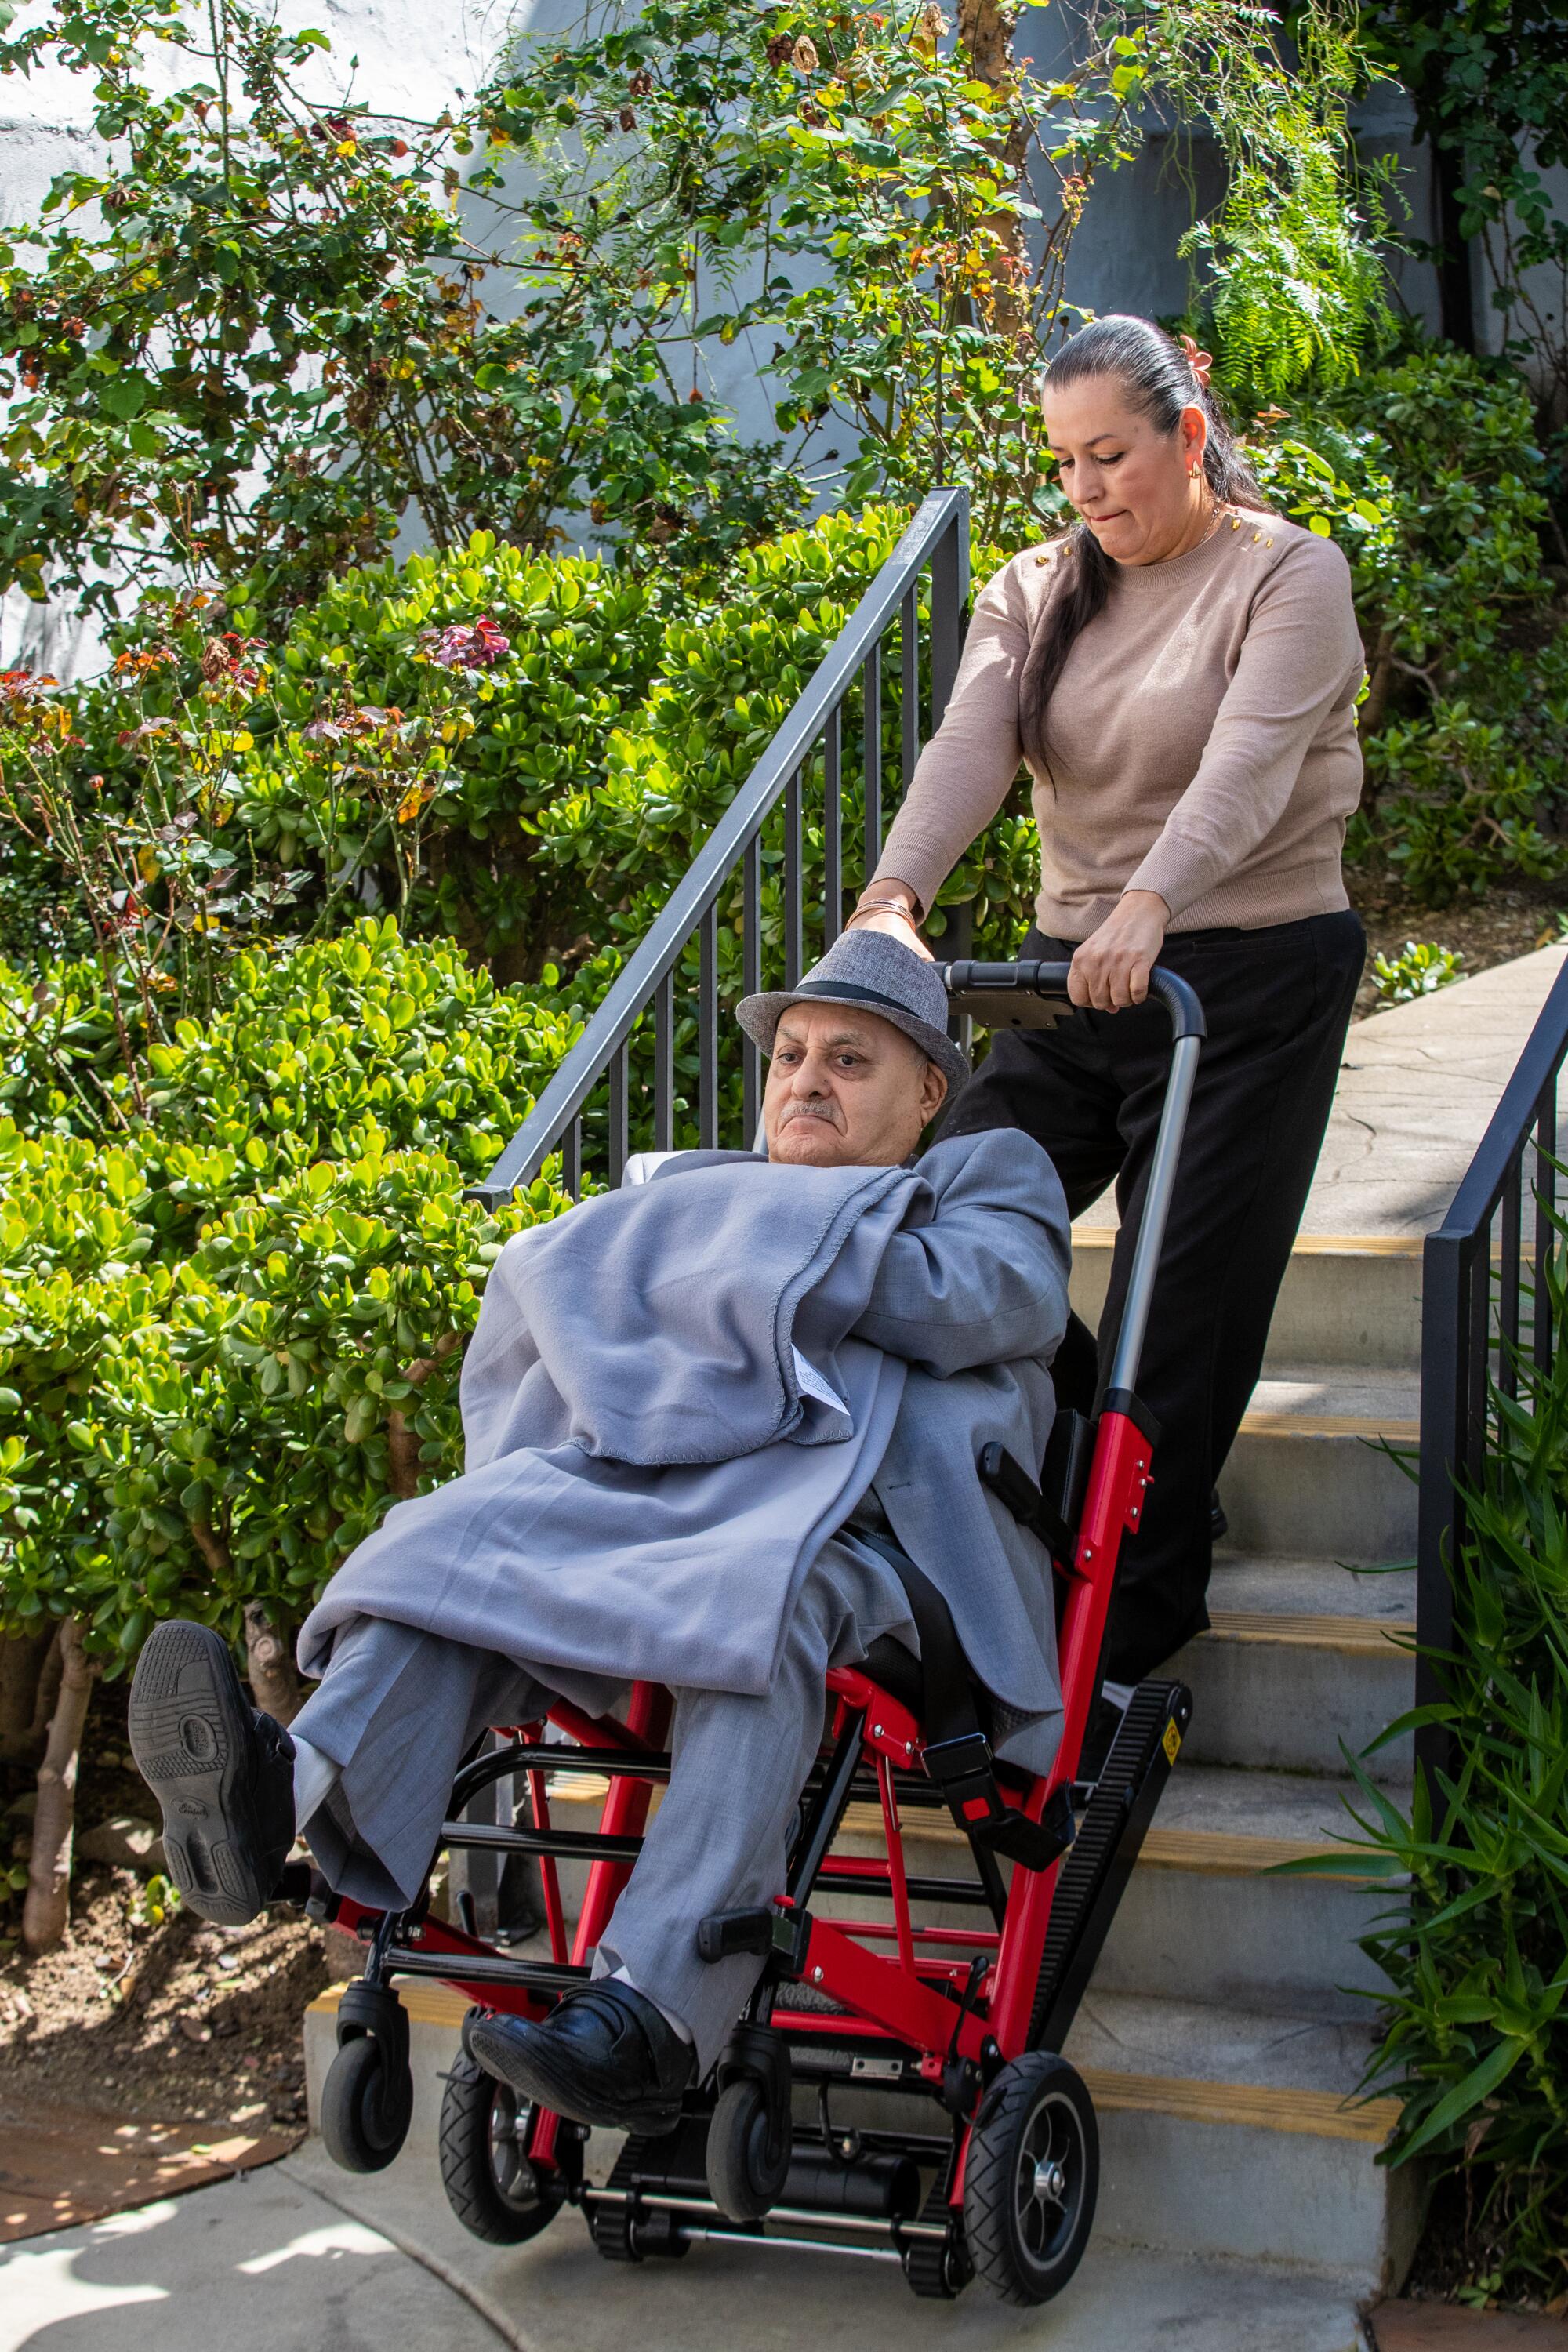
(1484, 932)
(181, 2022)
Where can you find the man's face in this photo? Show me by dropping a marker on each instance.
(845, 1090)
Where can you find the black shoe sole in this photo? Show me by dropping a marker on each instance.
(535, 2067)
(191, 1735)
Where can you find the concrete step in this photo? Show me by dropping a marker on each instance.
(1311, 1473)
(1304, 1659)
(1223, 2132)
(1347, 1299)
(1205, 1916)
(1232, 2132)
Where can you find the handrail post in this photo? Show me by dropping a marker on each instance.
(949, 610)
(1445, 1348)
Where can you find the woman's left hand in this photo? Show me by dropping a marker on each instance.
(1111, 969)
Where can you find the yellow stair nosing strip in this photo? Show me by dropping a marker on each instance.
(426, 2003)
(1329, 1424)
(1322, 2114)
(1223, 1853)
(1212, 1853)
(1375, 1634)
(1399, 1245)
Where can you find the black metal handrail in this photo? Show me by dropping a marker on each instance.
(936, 541)
(1485, 1305)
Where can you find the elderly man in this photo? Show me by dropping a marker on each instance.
(704, 1414)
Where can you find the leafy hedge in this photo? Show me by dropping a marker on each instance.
(227, 1342)
(1428, 471)
(1475, 2033)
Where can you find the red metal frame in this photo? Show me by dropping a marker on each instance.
(888, 1999)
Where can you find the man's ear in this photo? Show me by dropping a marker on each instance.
(933, 1092)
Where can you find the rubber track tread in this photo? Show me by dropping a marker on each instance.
(1094, 1848)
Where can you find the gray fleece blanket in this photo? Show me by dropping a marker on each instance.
(649, 1473)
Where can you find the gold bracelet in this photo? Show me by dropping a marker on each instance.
(884, 906)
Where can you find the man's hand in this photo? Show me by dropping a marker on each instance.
(1111, 969)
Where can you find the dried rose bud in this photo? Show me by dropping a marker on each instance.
(804, 55)
(781, 49)
(628, 117)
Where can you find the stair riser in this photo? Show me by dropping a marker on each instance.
(1286, 1707)
(1251, 1943)
(1251, 2194)
(1333, 1496)
(1333, 1307)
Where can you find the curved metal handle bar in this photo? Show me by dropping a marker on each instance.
(1050, 980)
(1189, 1031)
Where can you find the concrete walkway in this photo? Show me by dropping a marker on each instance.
(1418, 1088)
(304, 2258)
(1417, 1085)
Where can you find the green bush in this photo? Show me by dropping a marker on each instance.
(264, 1257)
(374, 735)
(1475, 2038)
(1427, 473)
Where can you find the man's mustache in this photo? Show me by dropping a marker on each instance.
(808, 1109)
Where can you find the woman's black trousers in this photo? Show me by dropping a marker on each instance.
(1277, 1002)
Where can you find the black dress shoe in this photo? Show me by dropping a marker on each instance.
(1219, 1526)
(603, 2056)
(222, 1773)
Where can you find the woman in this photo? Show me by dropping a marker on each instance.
(1179, 674)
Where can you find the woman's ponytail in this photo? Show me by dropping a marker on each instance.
(1158, 379)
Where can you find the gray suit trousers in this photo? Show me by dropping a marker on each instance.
(397, 1709)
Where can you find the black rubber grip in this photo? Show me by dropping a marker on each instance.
(1037, 978)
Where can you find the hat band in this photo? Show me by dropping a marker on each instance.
(846, 992)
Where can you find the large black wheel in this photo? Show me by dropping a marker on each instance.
(1031, 2179)
(367, 2102)
(491, 2185)
(744, 2175)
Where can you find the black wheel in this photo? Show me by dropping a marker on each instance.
(1031, 2179)
(491, 2185)
(366, 2104)
(743, 2179)
(937, 2271)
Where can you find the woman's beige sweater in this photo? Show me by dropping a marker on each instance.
(1203, 740)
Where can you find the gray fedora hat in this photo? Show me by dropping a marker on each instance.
(877, 973)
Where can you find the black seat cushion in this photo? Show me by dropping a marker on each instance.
(898, 1671)
(895, 1670)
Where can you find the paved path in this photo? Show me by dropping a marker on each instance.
(1418, 1086)
(268, 2261)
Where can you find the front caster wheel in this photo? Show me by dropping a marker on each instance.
(1031, 2179)
(748, 2151)
(367, 2101)
(492, 2184)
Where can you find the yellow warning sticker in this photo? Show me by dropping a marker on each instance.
(1172, 1743)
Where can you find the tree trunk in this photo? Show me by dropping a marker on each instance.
(402, 1437)
(1456, 265)
(985, 29)
(48, 1905)
(30, 1677)
(269, 1663)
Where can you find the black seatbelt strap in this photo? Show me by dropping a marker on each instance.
(957, 1754)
